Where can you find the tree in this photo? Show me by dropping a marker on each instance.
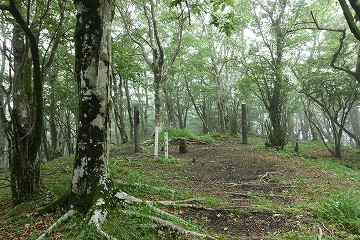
(335, 95)
(36, 35)
(150, 37)
(27, 112)
(272, 23)
(93, 74)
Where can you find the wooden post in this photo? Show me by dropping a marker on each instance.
(156, 147)
(166, 139)
(244, 128)
(183, 146)
(137, 128)
(296, 149)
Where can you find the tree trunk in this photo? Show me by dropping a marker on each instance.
(305, 128)
(129, 108)
(68, 131)
(169, 109)
(119, 111)
(144, 111)
(27, 115)
(93, 74)
(220, 101)
(200, 112)
(3, 159)
(54, 138)
(354, 120)
(158, 99)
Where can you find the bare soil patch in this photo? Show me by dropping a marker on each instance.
(237, 174)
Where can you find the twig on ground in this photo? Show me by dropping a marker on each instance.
(253, 209)
(243, 194)
(319, 237)
(266, 177)
(331, 234)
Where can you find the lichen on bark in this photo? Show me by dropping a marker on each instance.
(93, 74)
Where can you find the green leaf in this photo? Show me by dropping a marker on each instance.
(223, 7)
(175, 3)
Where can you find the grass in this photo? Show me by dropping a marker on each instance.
(341, 209)
(125, 226)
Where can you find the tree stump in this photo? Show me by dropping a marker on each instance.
(183, 146)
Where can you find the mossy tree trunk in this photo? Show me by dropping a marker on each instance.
(93, 74)
(3, 120)
(27, 113)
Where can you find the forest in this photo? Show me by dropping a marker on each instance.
(180, 119)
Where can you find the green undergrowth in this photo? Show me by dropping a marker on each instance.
(335, 168)
(168, 161)
(176, 133)
(342, 210)
(140, 225)
(312, 150)
(57, 174)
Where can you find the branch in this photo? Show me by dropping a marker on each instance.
(178, 44)
(341, 43)
(128, 31)
(349, 17)
(156, 33)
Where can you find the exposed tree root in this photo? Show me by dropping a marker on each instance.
(58, 203)
(98, 217)
(100, 211)
(159, 189)
(169, 225)
(65, 217)
(122, 196)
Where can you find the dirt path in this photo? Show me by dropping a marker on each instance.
(241, 176)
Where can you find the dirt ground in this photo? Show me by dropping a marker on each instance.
(237, 174)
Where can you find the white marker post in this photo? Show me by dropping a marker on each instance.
(156, 150)
(166, 139)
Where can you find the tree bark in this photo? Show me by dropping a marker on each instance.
(54, 137)
(27, 112)
(3, 122)
(129, 108)
(354, 120)
(93, 75)
(119, 110)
